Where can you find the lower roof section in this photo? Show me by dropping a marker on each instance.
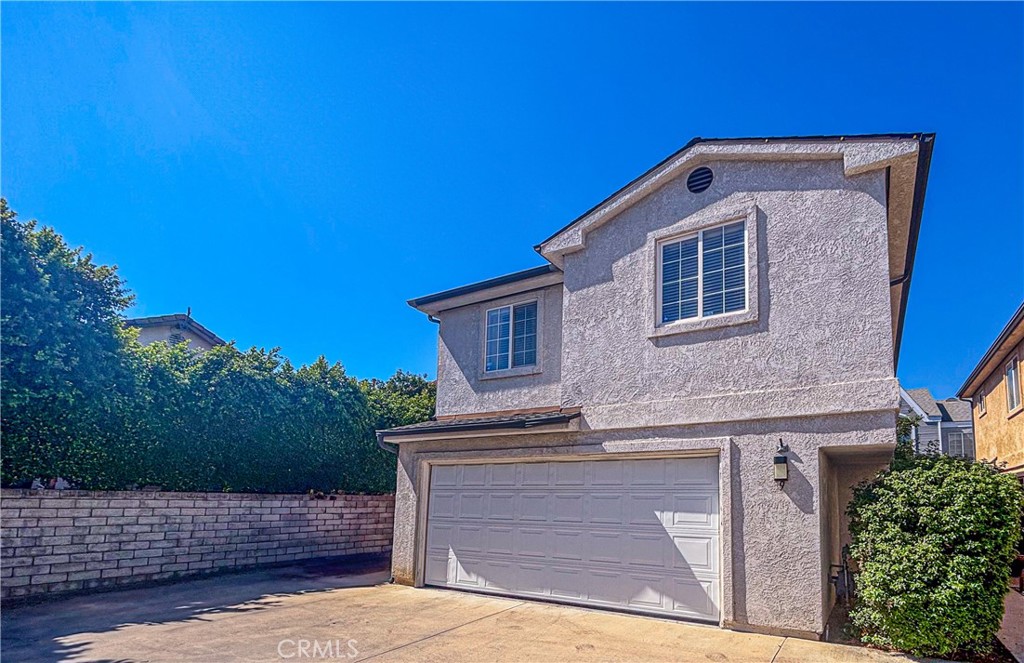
(495, 422)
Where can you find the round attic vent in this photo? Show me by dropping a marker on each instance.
(700, 179)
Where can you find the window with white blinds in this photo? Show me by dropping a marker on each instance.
(511, 337)
(703, 275)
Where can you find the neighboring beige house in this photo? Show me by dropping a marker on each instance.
(943, 426)
(609, 424)
(994, 386)
(174, 328)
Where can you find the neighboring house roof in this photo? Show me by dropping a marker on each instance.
(183, 320)
(511, 421)
(925, 401)
(1012, 334)
(948, 410)
(955, 410)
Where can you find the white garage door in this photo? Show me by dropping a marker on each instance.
(640, 535)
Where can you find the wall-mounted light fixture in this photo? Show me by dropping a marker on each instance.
(781, 465)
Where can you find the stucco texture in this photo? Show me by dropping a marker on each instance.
(821, 261)
(463, 386)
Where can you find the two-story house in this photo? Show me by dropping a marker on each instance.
(944, 426)
(994, 388)
(613, 428)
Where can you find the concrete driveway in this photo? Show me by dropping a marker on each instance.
(317, 612)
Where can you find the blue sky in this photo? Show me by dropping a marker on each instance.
(295, 172)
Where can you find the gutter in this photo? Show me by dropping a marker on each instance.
(390, 448)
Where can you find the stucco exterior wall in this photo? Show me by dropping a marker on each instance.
(822, 291)
(999, 433)
(166, 332)
(462, 385)
(771, 542)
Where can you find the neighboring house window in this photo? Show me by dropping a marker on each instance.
(982, 407)
(956, 444)
(1012, 385)
(704, 275)
(511, 337)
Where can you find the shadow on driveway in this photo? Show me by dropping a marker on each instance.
(55, 629)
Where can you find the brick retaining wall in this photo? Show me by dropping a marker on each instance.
(59, 541)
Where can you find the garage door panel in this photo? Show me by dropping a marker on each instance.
(533, 507)
(502, 506)
(606, 508)
(640, 535)
(606, 473)
(500, 540)
(693, 510)
(566, 582)
(695, 553)
(444, 475)
(646, 508)
(439, 536)
(603, 547)
(693, 598)
(567, 545)
(531, 542)
(471, 505)
(436, 569)
(569, 474)
(470, 538)
(648, 550)
(502, 474)
(646, 473)
(534, 474)
(568, 508)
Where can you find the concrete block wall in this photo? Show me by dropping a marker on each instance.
(60, 541)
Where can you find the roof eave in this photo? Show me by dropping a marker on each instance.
(970, 386)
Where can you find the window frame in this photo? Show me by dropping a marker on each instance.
(963, 444)
(512, 370)
(699, 234)
(982, 404)
(704, 219)
(1014, 362)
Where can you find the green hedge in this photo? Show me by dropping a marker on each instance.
(81, 399)
(932, 538)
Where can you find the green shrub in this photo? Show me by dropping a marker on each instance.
(932, 538)
(83, 400)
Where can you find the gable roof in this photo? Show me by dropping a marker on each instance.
(906, 158)
(950, 409)
(182, 320)
(955, 410)
(1012, 334)
(924, 400)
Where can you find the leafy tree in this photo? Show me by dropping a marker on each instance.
(405, 398)
(84, 400)
(61, 360)
(933, 537)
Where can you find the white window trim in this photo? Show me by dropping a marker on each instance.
(511, 371)
(1015, 362)
(690, 227)
(982, 404)
(963, 444)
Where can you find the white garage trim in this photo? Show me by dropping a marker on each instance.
(637, 534)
